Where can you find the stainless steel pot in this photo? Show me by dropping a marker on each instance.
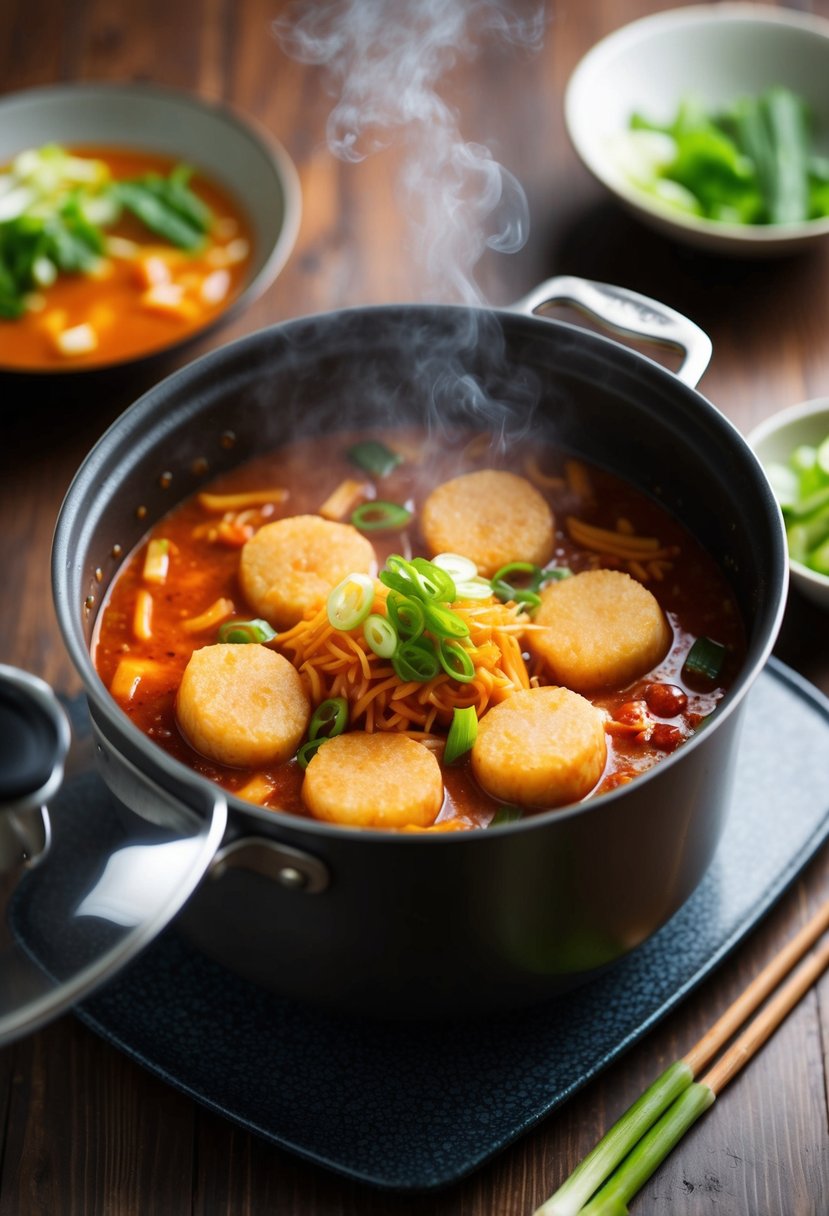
(445, 925)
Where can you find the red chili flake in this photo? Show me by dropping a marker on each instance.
(666, 700)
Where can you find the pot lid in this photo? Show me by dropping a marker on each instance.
(72, 911)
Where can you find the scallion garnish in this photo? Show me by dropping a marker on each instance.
(416, 660)
(462, 734)
(407, 615)
(239, 632)
(350, 602)
(330, 718)
(380, 516)
(444, 622)
(308, 750)
(704, 661)
(456, 660)
(506, 814)
(374, 457)
(519, 582)
(459, 568)
(380, 635)
(554, 574)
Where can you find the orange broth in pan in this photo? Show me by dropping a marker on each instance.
(117, 301)
(644, 721)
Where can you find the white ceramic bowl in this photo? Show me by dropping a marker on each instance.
(231, 150)
(773, 441)
(716, 53)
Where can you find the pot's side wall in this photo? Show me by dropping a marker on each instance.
(493, 923)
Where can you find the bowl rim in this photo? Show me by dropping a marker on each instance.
(713, 231)
(777, 424)
(242, 124)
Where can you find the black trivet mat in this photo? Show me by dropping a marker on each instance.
(419, 1106)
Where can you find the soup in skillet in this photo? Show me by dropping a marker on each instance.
(109, 254)
(376, 631)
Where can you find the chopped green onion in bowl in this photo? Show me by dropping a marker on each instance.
(753, 162)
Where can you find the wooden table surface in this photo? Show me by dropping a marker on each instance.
(82, 1128)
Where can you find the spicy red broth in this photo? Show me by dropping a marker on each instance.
(156, 618)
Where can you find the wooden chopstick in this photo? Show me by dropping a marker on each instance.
(760, 987)
(762, 1027)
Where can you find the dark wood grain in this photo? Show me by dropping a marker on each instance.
(82, 1129)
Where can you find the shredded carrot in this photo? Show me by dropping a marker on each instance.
(546, 481)
(344, 499)
(616, 544)
(339, 664)
(218, 611)
(130, 672)
(220, 503)
(578, 479)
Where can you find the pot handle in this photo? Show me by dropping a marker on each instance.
(627, 312)
(34, 740)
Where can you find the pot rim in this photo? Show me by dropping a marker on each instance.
(200, 369)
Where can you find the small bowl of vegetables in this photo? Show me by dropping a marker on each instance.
(132, 219)
(793, 447)
(711, 124)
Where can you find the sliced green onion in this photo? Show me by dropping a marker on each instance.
(380, 635)
(416, 660)
(418, 577)
(350, 602)
(380, 516)
(705, 660)
(474, 589)
(506, 814)
(518, 581)
(462, 734)
(530, 572)
(308, 750)
(436, 584)
(523, 596)
(407, 616)
(374, 457)
(554, 574)
(456, 661)
(246, 631)
(330, 718)
(444, 622)
(459, 568)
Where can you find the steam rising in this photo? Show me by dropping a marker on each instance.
(385, 59)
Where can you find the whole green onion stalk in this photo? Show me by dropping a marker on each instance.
(637, 1144)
